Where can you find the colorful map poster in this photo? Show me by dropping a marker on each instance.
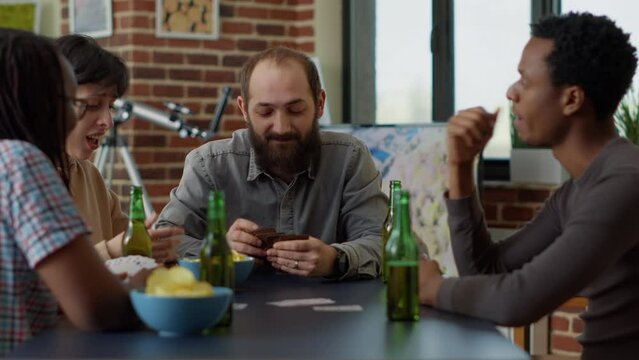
(416, 155)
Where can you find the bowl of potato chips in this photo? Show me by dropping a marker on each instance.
(174, 303)
(242, 269)
(243, 266)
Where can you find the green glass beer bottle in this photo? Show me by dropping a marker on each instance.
(136, 239)
(403, 260)
(395, 185)
(216, 259)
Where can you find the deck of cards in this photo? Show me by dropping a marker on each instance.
(270, 236)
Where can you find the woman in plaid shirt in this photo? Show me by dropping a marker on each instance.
(45, 256)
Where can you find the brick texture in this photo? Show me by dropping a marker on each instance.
(568, 344)
(191, 72)
(507, 206)
(560, 323)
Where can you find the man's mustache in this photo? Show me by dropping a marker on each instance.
(283, 137)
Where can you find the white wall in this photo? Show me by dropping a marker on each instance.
(50, 18)
(328, 48)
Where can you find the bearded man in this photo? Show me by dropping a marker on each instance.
(283, 173)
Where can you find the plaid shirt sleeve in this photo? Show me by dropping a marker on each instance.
(42, 211)
(37, 218)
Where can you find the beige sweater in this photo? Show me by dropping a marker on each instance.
(98, 205)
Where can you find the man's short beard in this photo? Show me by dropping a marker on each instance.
(291, 158)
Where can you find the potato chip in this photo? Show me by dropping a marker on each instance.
(157, 277)
(176, 281)
(180, 275)
(237, 256)
(201, 288)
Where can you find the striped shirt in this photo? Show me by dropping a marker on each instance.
(37, 218)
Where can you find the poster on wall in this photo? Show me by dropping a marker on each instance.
(20, 14)
(415, 154)
(91, 17)
(187, 19)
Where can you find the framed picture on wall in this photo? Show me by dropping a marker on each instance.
(20, 14)
(187, 19)
(91, 17)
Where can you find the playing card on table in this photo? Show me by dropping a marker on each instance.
(302, 302)
(339, 308)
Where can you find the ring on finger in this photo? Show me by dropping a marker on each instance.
(297, 265)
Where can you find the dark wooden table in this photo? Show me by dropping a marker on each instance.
(262, 331)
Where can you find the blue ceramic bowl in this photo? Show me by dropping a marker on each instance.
(192, 264)
(178, 316)
(242, 268)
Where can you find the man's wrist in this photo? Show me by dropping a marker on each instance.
(460, 180)
(341, 263)
(434, 290)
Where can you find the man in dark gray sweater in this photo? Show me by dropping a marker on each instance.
(574, 71)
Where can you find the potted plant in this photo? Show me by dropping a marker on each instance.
(627, 117)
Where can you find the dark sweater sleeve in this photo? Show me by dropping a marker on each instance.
(528, 275)
(475, 252)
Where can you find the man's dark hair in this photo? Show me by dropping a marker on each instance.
(279, 55)
(590, 52)
(32, 95)
(92, 64)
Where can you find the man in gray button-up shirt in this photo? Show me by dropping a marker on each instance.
(282, 172)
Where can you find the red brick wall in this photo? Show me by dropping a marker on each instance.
(192, 72)
(566, 326)
(507, 206)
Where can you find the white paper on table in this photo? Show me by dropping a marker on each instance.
(302, 302)
(339, 308)
(239, 306)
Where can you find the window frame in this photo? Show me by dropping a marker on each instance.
(359, 81)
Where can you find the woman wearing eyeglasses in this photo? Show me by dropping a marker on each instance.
(102, 78)
(45, 257)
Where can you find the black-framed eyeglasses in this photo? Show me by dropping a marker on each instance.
(81, 106)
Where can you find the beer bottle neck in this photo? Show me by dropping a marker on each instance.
(395, 186)
(214, 224)
(395, 209)
(136, 211)
(405, 215)
(216, 215)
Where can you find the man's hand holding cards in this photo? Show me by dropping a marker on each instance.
(247, 238)
(297, 254)
(301, 255)
(268, 237)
